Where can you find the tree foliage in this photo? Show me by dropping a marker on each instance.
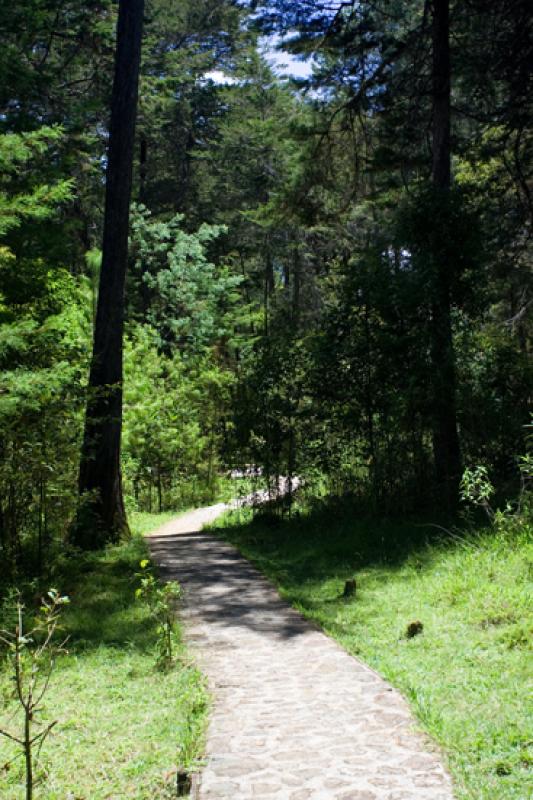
(286, 246)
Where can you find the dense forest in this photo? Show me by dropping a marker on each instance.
(327, 277)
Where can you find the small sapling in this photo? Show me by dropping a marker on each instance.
(32, 653)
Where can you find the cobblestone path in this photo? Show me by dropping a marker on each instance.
(294, 717)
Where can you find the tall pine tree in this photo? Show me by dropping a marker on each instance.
(102, 517)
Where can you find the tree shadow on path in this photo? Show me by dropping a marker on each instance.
(222, 588)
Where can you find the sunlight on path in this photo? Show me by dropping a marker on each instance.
(294, 716)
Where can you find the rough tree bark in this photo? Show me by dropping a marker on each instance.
(101, 517)
(446, 448)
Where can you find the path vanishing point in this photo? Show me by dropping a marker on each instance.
(294, 716)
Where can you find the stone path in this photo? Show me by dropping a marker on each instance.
(294, 717)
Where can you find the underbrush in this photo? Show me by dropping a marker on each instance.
(466, 668)
(124, 727)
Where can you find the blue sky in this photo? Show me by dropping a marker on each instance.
(284, 64)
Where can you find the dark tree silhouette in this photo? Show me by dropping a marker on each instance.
(101, 517)
(446, 449)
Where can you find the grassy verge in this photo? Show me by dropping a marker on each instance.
(466, 675)
(124, 727)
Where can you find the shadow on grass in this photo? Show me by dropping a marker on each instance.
(103, 610)
(335, 542)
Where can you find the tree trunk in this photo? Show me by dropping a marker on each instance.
(446, 449)
(159, 489)
(297, 286)
(144, 289)
(143, 159)
(101, 517)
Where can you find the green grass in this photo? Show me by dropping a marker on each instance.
(124, 727)
(467, 675)
(143, 522)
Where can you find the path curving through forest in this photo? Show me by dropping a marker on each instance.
(294, 716)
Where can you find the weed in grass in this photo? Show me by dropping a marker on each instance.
(161, 599)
